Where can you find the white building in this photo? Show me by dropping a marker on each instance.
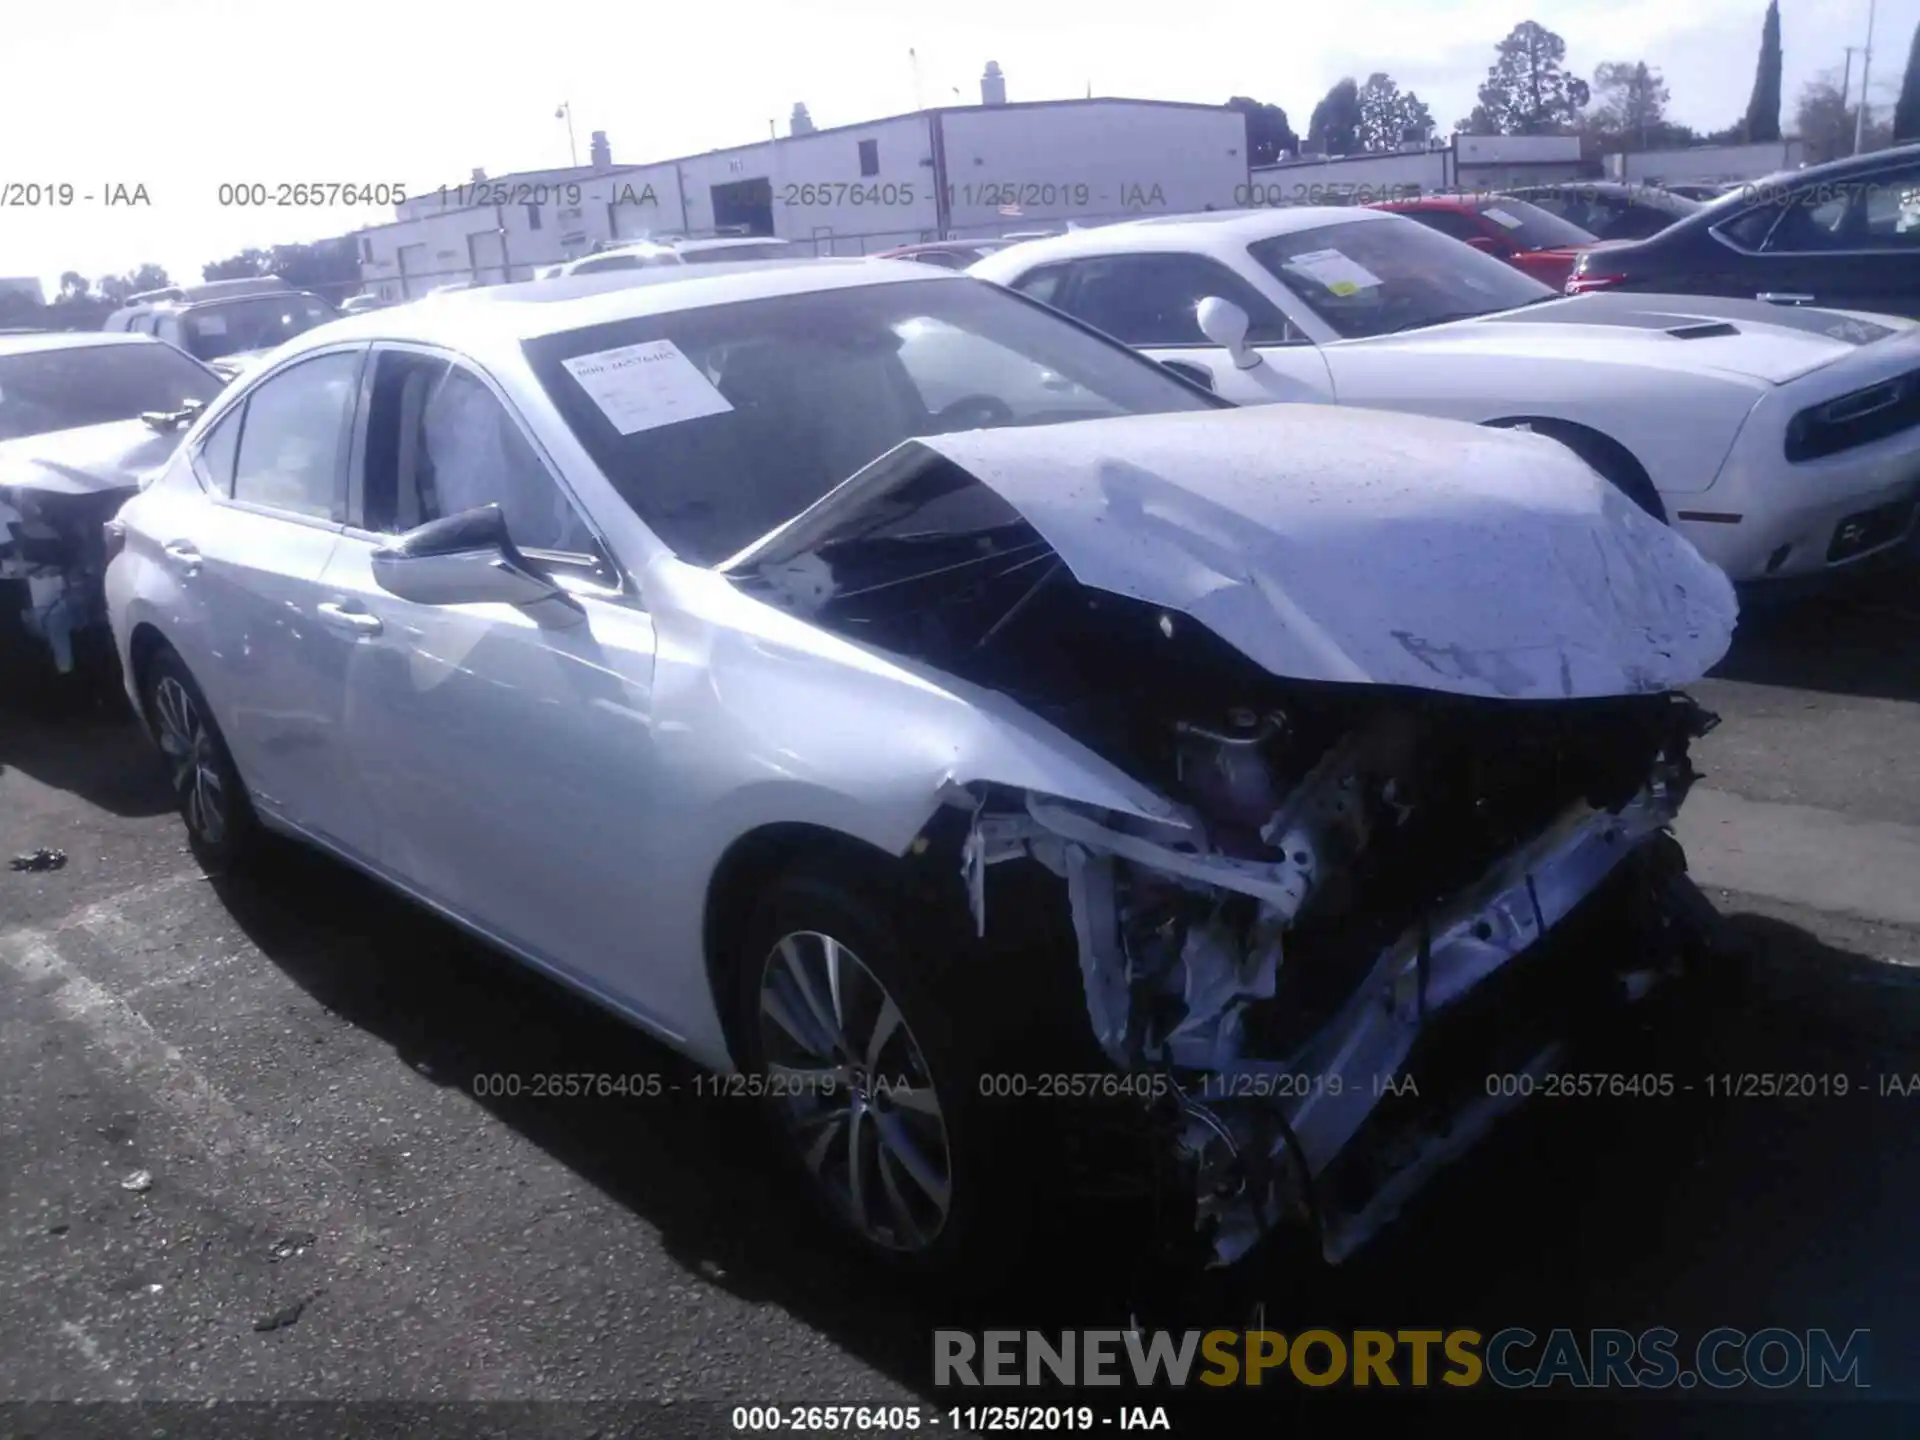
(1460, 162)
(1708, 164)
(985, 169)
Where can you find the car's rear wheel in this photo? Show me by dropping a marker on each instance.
(220, 822)
(870, 1044)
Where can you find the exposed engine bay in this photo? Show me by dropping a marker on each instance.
(1357, 863)
(52, 561)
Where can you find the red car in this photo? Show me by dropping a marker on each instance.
(1523, 235)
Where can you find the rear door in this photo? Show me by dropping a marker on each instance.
(245, 563)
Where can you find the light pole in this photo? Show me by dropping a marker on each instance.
(565, 112)
(1866, 65)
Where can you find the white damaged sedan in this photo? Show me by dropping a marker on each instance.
(1783, 441)
(1067, 779)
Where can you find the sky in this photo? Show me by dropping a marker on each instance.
(421, 91)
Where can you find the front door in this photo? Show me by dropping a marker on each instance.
(511, 763)
(247, 559)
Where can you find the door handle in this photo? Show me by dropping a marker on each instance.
(357, 622)
(184, 552)
(1783, 297)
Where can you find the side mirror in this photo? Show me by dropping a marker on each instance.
(469, 559)
(1199, 374)
(1487, 245)
(1225, 324)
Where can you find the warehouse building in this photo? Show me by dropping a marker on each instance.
(975, 170)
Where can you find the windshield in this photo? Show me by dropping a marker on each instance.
(727, 254)
(1372, 277)
(718, 424)
(1530, 227)
(66, 388)
(257, 323)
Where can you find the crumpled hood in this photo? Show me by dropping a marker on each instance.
(85, 461)
(1748, 338)
(1370, 547)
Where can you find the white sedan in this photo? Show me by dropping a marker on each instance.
(1783, 442)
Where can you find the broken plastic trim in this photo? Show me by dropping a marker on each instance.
(1279, 1145)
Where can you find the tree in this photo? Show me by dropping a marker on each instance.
(1825, 121)
(73, 285)
(1269, 136)
(1390, 116)
(246, 265)
(118, 287)
(1763, 110)
(1527, 90)
(1335, 126)
(1632, 100)
(1906, 110)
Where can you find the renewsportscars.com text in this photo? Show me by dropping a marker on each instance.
(1513, 1358)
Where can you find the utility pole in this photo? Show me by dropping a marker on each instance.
(1866, 66)
(1846, 77)
(565, 112)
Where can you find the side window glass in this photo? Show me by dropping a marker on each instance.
(1152, 299)
(439, 442)
(1042, 284)
(295, 435)
(1893, 212)
(218, 449)
(1749, 230)
(1820, 217)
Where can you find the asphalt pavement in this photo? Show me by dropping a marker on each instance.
(243, 1157)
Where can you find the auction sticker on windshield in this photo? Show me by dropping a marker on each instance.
(642, 387)
(1334, 271)
(1501, 217)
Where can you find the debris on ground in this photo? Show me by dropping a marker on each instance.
(289, 1246)
(140, 1181)
(40, 860)
(286, 1315)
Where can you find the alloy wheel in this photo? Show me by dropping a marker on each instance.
(191, 752)
(853, 1087)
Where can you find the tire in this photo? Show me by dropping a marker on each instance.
(222, 830)
(1614, 462)
(943, 1193)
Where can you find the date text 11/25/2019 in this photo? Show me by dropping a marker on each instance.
(997, 195)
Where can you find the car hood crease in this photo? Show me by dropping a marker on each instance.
(1370, 548)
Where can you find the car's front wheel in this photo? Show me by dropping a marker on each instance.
(213, 803)
(870, 1044)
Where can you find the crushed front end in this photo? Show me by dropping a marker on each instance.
(53, 558)
(1385, 910)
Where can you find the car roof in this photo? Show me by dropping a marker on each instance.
(1743, 194)
(501, 316)
(28, 343)
(1206, 230)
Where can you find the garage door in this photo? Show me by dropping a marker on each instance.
(487, 254)
(630, 221)
(414, 279)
